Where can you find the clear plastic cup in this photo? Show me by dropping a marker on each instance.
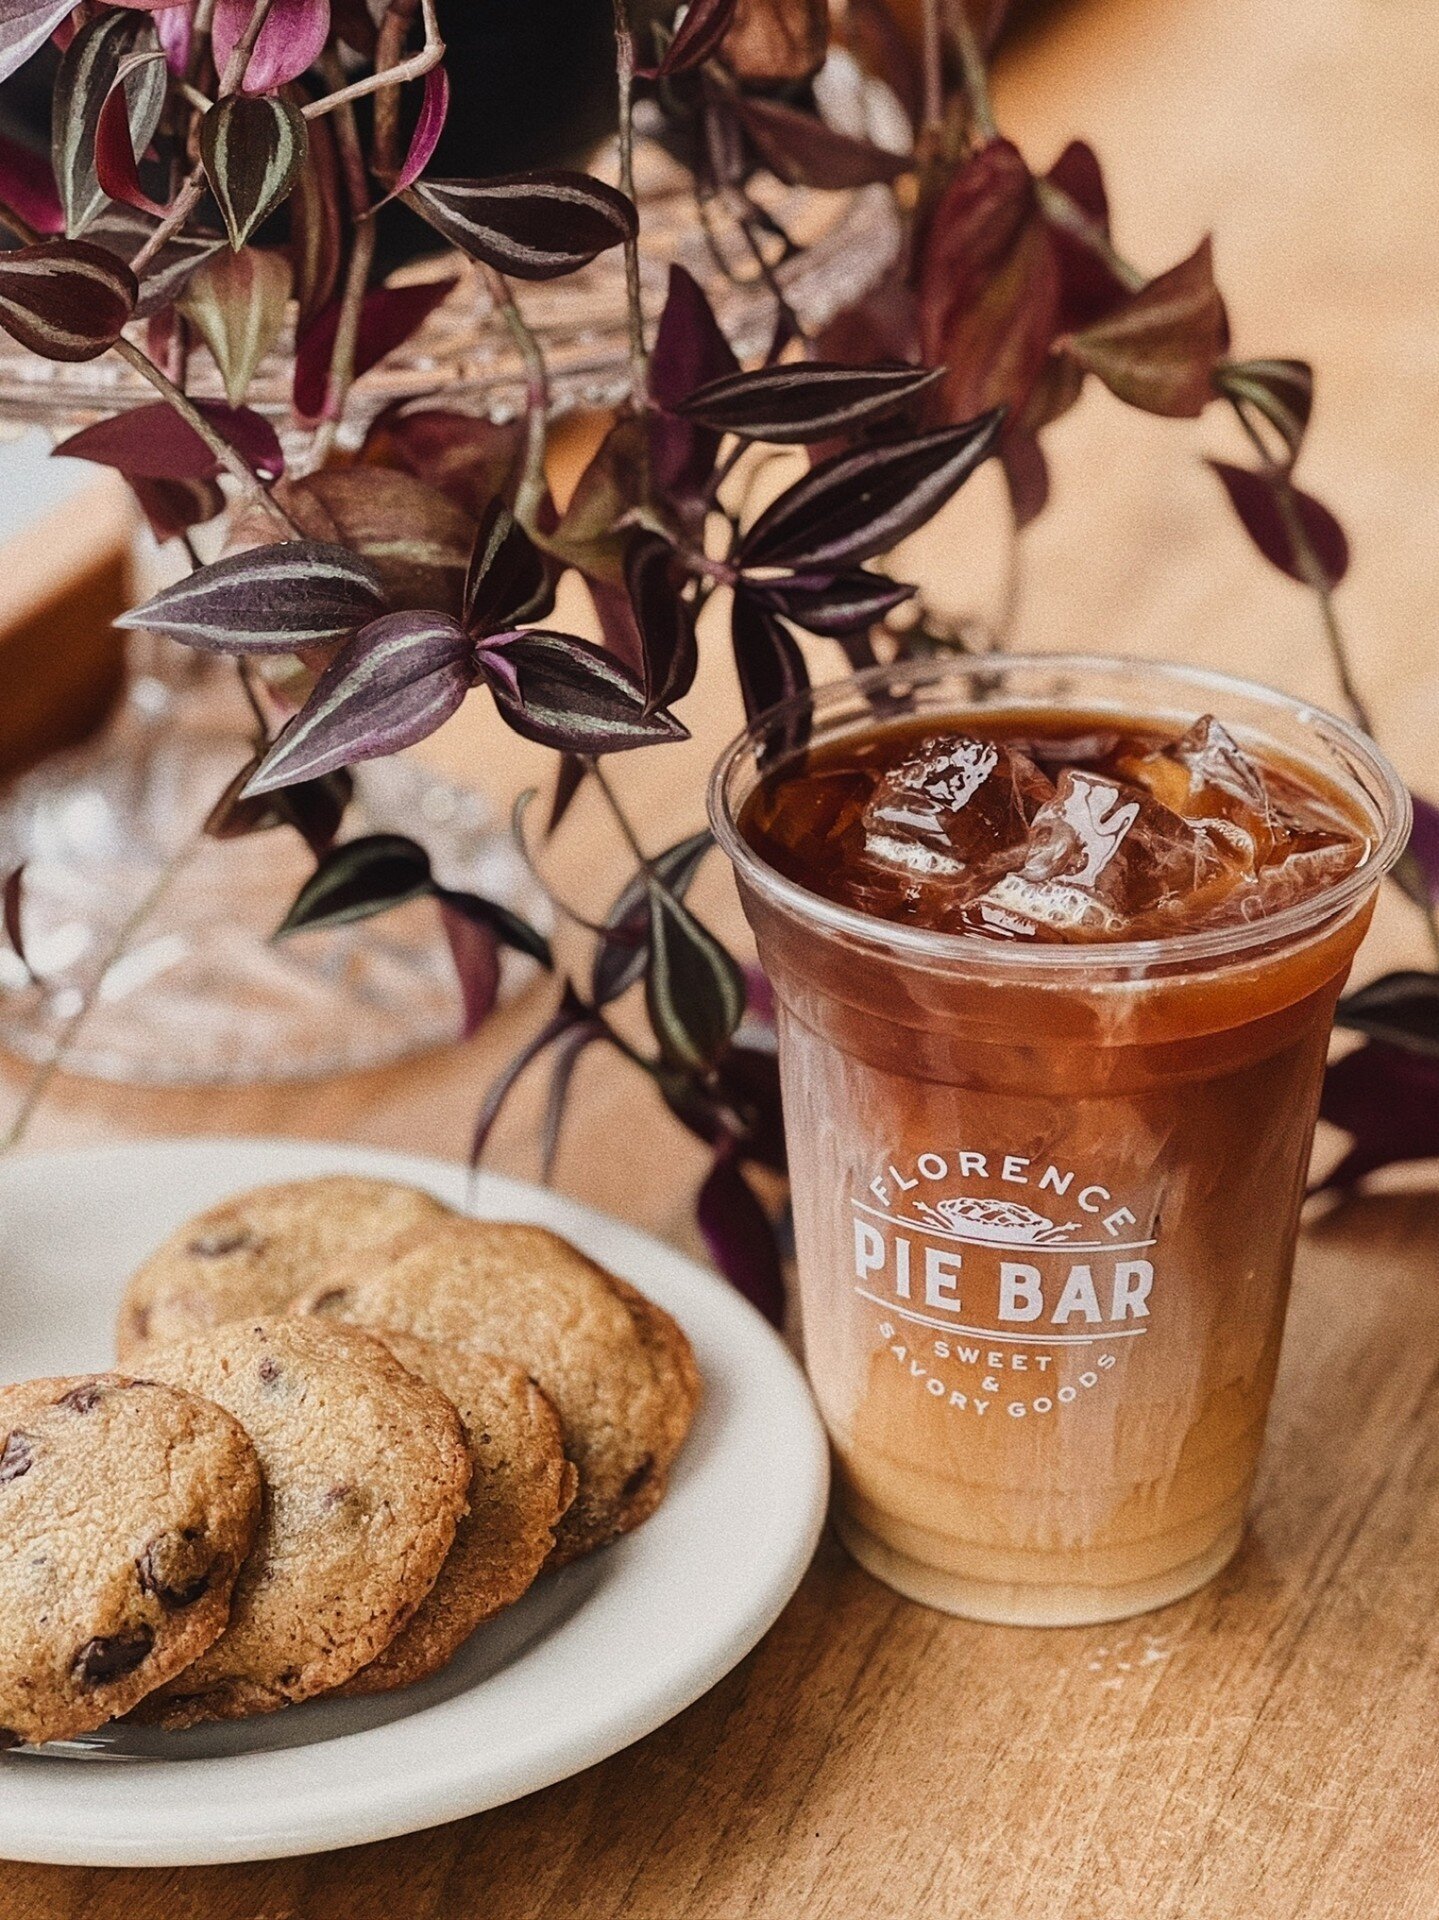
(1046, 1196)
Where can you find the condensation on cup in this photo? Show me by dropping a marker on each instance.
(1056, 945)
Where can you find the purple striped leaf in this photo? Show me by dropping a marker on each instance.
(696, 39)
(25, 26)
(358, 880)
(624, 952)
(507, 578)
(154, 443)
(1281, 392)
(570, 1013)
(253, 149)
(563, 1061)
(65, 299)
(740, 1237)
(793, 405)
(862, 503)
(88, 75)
(277, 599)
(1401, 1009)
(848, 603)
(27, 183)
(172, 507)
(567, 693)
(799, 149)
(1260, 500)
(694, 990)
(770, 667)
(291, 40)
(535, 226)
(508, 928)
(664, 618)
(434, 108)
(392, 684)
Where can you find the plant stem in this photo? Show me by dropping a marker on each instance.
(624, 77)
(531, 490)
(933, 69)
(21, 229)
(394, 30)
(186, 201)
(341, 375)
(69, 1032)
(418, 64)
(1062, 210)
(236, 67)
(971, 63)
(233, 461)
(622, 818)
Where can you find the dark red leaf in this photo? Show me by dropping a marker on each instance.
(988, 285)
(153, 442)
(27, 183)
(741, 1238)
(798, 404)
(569, 778)
(1387, 1099)
(65, 299)
(507, 927)
(1269, 507)
(1159, 349)
(1026, 474)
(13, 907)
(799, 149)
(689, 350)
(315, 809)
(470, 459)
(476, 954)
(664, 618)
(87, 76)
(430, 124)
(1418, 871)
(1089, 287)
(388, 317)
(535, 226)
(115, 158)
(172, 507)
(697, 38)
(862, 503)
(1401, 1009)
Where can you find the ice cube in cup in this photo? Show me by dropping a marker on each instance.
(1100, 854)
(955, 810)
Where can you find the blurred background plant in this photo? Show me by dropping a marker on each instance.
(229, 179)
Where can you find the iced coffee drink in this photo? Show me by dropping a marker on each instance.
(1056, 946)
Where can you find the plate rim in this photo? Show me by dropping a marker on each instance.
(360, 1799)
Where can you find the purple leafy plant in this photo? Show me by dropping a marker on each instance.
(217, 170)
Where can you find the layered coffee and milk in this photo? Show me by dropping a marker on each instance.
(1050, 1081)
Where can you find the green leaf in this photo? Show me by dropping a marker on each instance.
(236, 303)
(359, 879)
(694, 989)
(252, 147)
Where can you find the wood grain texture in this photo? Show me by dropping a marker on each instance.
(1266, 1749)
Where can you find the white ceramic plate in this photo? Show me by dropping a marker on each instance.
(588, 1661)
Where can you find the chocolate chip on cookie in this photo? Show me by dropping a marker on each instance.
(366, 1477)
(252, 1254)
(96, 1476)
(617, 1369)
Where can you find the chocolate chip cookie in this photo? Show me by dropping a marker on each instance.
(616, 1367)
(522, 1484)
(126, 1509)
(252, 1254)
(366, 1477)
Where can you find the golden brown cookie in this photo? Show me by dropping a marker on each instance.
(126, 1509)
(252, 1254)
(616, 1367)
(366, 1477)
(522, 1484)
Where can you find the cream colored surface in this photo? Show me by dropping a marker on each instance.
(1266, 1748)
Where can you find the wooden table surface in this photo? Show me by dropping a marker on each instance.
(1268, 1747)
